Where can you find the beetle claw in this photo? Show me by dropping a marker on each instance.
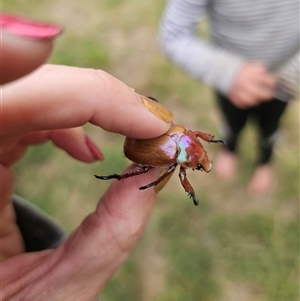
(193, 197)
(218, 140)
(196, 202)
(113, 176)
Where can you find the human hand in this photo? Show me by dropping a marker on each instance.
(253, 84)
(51, 104)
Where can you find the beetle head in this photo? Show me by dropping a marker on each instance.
(204, 163)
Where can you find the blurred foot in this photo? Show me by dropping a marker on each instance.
(225, 165)
(262, 180)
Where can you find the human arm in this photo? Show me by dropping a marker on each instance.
(199, 58)
(247, 83)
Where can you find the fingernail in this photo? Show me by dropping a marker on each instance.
(28, 28)
(162, 184)
(157, 109)
(93, 149)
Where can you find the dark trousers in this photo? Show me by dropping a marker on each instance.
(267, 115)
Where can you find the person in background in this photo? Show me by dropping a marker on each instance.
(42, 103)
(251, 60)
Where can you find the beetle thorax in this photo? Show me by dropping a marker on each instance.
(189, 150)
(191, 153)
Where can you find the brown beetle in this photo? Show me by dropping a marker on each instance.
(177, 146)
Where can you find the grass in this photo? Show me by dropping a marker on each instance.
(233, 246)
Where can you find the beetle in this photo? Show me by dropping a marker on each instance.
(178, 146)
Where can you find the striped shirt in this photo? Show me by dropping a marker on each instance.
(240, 31)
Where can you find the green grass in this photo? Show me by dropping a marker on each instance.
(233, 246)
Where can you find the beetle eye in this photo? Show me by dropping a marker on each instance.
(200, 167)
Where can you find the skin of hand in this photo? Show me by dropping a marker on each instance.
(52, 103)
(253, 85)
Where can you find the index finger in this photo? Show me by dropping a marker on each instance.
(56, 97)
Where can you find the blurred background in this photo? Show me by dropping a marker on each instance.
(232, 247)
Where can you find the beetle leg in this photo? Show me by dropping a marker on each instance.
(113, 176)
(218, 140)
(134, 172)
(186, 185)
(208, 137)
(163, 176)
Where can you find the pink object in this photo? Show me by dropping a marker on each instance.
(28, 28)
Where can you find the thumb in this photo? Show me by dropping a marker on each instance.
(25, 45)
(83, 264)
